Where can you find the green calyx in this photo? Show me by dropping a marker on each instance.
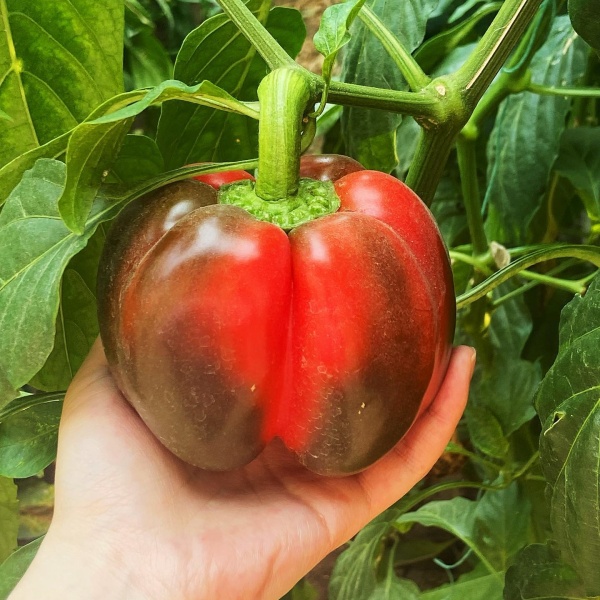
(314, 199)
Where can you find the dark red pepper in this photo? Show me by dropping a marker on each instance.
(223, 331)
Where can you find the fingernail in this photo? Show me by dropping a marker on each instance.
(473, 360)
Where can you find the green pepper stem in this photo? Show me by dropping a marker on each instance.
(284, 95)
(564, 91)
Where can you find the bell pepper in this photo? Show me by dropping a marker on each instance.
(225, 331)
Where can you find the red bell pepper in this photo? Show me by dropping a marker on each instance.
(224, 331)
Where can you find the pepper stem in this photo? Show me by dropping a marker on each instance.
(284, 95)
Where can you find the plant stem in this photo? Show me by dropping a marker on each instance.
(429, 161)
(283, 95)
(574, 287)
(422, 104)
(480, 68)
(467, 165)
(410, 69)
(589, 253)
(254, 31)
(564, 91)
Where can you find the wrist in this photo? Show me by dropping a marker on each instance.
(69, 566)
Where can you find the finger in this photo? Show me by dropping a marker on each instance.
(412, 458)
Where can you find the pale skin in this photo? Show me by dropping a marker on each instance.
(133, 522)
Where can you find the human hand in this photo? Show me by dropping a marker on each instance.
(132, 521)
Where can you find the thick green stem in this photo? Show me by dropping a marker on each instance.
(266, 45)
(467, 165)
(480, 68)
(414, 75)
(429, 161)
(422, 104)
(284, 95)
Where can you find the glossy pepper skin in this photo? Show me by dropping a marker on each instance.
(224, 332)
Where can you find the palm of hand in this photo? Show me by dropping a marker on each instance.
(178, 532)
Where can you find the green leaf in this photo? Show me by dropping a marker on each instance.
(58, 61)
(482, 587)
(14, 567)
(149, 62)
(585, 17)
(525, 140)
(504, 383)
(36, 248)
(303, 590)
(437, 48)
(579, 161)
(539, 575)
(391, 587)
(94, 144)
(333, 33)
(9, 517)
(12, 173)
(370, 135)
(568, 403)
(486, 432)
(139, 159)
(354, 574)
(189, 134)
(28, 439)
(494, 527)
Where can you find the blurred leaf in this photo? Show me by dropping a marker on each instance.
(333, 33)
(9, 517)
(438, 47)
(370, 135)
(189, 134)
(390, 586)
(585, 17)
(14, 567)
(354, 574)
(579, 161)
(303, 590)
(538, 575)
(477, 585)
(525, 140)
(43, 97)
(28, 439)
(36, 506)
(568, 403)
(149, 62)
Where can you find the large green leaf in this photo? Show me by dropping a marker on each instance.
(188, 134)
(9, 517)
(58, 61)
(472, 586)
(494, 527)
(36, 248)
(579, 161)
(539, 575)
(525, 139)
(568, 403)
(14, 567)
(371, 135)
